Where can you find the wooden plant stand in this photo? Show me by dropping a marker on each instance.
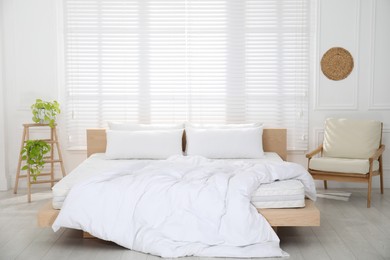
(52, 141)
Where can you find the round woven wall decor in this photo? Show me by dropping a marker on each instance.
(337, 63)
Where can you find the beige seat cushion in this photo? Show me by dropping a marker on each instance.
(342, 165)
(347, 138)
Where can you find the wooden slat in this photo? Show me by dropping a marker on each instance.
(53, 161)
(41, 174)
(342, 177)
(45, 140)
(44, 181)
(36, 125)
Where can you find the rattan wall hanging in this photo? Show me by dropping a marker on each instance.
(337, 63)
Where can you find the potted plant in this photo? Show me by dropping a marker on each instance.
(33, 152)
(45, 112)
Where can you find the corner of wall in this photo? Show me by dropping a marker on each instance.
(4, 182)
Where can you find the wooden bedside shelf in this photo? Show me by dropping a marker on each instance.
(54, 143)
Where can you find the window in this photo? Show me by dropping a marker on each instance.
(169, 61)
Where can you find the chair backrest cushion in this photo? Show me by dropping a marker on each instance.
(347, 138)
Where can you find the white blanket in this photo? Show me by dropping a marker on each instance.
(181, 206)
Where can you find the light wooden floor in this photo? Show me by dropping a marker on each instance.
(348, 231)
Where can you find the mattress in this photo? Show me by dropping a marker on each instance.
(281, 194)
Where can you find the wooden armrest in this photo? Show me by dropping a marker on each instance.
(377, 153)
(316, 151)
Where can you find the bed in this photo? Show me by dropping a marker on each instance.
(298, 212)
(274, 140)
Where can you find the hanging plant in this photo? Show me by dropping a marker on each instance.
(33, 152)
(45, 112)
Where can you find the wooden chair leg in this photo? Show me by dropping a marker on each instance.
(369, 192)
(381, 173)
(325, 185)
(381, 181)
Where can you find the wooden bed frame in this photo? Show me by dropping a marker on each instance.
(274, 140)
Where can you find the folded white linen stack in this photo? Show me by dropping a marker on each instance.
(181, 206)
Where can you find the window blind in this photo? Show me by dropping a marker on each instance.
(170, 61)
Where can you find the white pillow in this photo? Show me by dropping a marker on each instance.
(223, 126)
(141, 127)
(157, 144)
(225, 143)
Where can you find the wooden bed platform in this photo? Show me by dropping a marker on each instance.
(274, 140)
(297, 217)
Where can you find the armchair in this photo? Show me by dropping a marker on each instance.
(351, 152)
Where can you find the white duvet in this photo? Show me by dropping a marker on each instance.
(181, 206)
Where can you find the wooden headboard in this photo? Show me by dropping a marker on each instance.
(274, 140)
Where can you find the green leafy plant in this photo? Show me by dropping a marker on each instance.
(33, 152)
(45, 111)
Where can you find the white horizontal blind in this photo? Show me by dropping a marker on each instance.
(277, 51)
(168, 61)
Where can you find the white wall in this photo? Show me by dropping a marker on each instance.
(3, 168)
(30, 69)
(361, 26)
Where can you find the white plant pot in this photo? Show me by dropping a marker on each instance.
(41, 116)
